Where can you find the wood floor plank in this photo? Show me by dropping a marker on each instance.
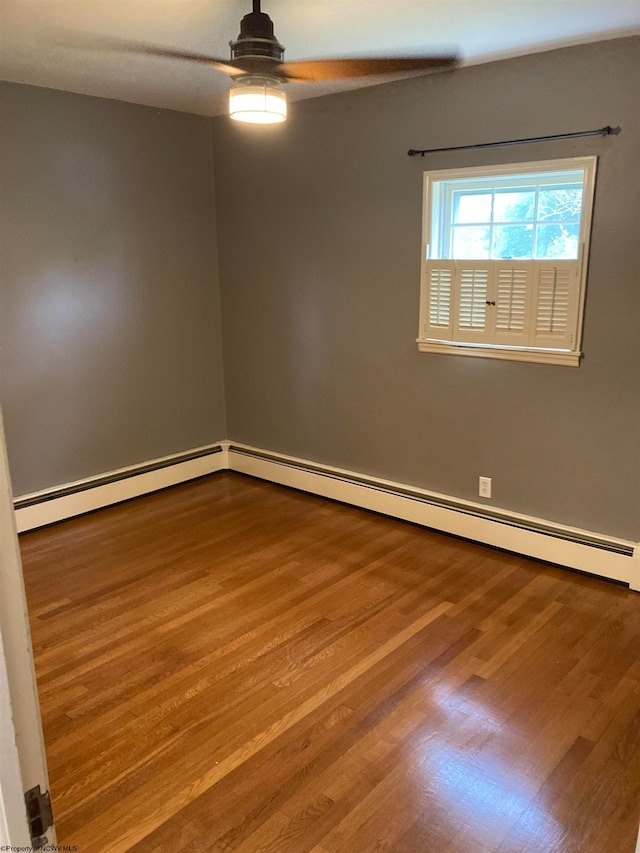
(229, 665)
(118, 830)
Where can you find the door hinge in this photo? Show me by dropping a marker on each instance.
(39, 815)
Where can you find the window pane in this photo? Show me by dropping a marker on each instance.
(512, 241)
(470, 241)
(514, 206)
(472, 207)
(561, 203)
(558, 241)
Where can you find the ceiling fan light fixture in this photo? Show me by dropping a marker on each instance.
(257, 101)
(258, 69)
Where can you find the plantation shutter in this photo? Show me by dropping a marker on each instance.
(437, 300)
(514, 301)
(472, 292)
(556, 286)
(508, 303)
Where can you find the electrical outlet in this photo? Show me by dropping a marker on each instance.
(484, 487)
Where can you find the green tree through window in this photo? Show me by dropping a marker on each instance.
(554, 232)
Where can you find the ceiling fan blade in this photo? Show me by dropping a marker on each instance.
(342, 69)
(189, 56)
(118, 45)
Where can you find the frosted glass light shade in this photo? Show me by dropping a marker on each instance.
(258, 103)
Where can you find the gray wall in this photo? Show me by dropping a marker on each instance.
(111, 350)
(319, 229)
(111, 344)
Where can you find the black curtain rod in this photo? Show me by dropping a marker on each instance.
(601, 131)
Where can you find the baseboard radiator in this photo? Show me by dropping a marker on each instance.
(606, 556)
(62, 502)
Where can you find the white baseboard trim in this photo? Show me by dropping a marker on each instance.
(598, 554)
(586, 551)
(62, 502)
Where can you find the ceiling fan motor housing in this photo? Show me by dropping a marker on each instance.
(257, 39)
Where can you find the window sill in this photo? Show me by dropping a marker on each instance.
(564, 357)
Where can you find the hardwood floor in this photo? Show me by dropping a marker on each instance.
(233, 666)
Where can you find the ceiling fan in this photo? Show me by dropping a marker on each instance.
(258, 68)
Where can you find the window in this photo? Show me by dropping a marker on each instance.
(504, 260)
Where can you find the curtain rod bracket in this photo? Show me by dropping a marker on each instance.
(601, 131)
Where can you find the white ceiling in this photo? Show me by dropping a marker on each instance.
(41, 40)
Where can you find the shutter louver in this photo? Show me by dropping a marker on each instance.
(437, 300)
(440, 284)
(513, 304)
(553, 303)
(556, 304)
(511, 300)
(472, 281)
(473, 298)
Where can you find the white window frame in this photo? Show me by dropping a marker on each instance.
(533, 276)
